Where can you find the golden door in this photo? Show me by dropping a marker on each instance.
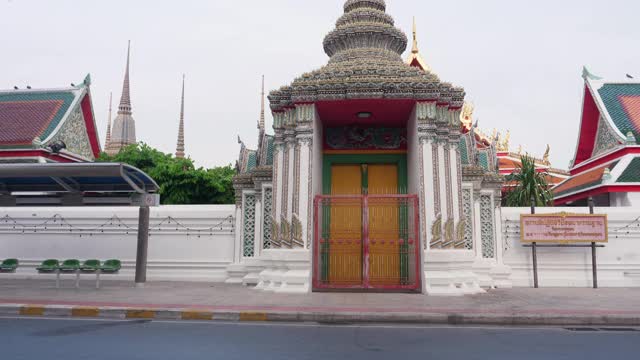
(384, 242)
(345, 247)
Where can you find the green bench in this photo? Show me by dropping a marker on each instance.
(9, 266)
(95, 267)
(73, 266)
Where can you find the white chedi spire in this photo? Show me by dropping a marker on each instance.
(124, 126)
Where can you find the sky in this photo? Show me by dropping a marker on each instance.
(519, 61)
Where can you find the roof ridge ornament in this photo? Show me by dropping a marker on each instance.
(414, 58)
(587, 75)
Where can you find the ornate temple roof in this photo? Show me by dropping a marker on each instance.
(610, 117)
(607, 155)
(34, 118)
(365, 62)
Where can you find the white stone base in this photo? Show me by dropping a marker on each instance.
(286, 271)
(501, 275)
(482, 268)
(450, 273)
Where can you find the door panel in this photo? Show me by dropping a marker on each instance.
(384, 242)
(345, 245)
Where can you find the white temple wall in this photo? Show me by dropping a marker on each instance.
(196, 243)
(624, 200)
(187, 243)
(618, 262)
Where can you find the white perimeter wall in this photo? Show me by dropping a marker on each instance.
(618, 262)
(178, 251)
(193, 243)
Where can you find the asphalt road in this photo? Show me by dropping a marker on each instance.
(108, 340)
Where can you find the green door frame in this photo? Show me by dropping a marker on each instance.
(360, 159)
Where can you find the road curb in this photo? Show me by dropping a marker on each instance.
(134, 313)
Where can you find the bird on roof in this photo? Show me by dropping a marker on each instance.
(15, 88)
(629, 76)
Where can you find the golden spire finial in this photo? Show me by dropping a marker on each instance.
(415, 59)
(414, 49)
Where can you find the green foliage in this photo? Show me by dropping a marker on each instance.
(181, 183)
(528, 183)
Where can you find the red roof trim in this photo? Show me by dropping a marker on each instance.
(87, 112)
(588, 128)
(38, 153)
(597, 191)
(605, 159)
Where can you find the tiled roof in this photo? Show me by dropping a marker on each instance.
(270, 148)
(623, 105)
(464, 155)
(251, 162)
(26, 116)
(582, 181)
(483, 159)
(632, 173)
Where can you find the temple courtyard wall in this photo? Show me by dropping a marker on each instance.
(199, 243)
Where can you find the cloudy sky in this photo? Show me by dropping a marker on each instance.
(520, 61)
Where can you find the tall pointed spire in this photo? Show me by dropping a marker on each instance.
(107, 140)
(124, 126)
(415, 59)
(261, 125)
(125, 99)
(180, 147)
(414, 48)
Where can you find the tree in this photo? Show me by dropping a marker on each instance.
(181, 183)
(529, 183)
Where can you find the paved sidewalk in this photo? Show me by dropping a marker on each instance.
(203, 301)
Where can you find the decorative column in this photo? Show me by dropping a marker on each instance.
(288, 181)
(278, 178)
(257, 242)
(443, 176)
(430, 205)
(305, 117)
(477, 223)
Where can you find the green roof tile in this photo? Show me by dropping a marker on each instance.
(270, 148)
(625, 119)
(251, 163)
(483, 158)
(464, 156)
(632, 173)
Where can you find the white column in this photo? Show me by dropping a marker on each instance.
(429, 189)
(278, 182)
(455, 184)
(257, 242)
(443, 187)
(304, 184)
(290, 176)
(238, 234)
(477, 225)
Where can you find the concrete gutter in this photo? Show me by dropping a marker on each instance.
(124, 313)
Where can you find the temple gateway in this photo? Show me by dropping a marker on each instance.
(370, 182)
